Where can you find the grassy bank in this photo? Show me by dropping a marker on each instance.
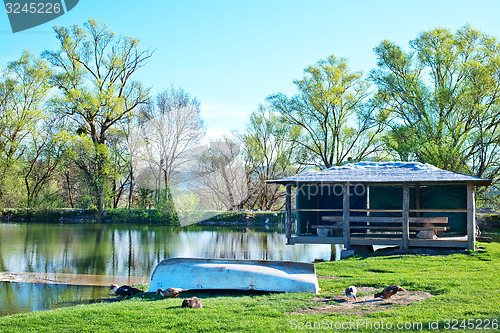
(122, 215)
(464, 285)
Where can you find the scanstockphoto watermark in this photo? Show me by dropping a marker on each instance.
(362, 324)
(328, 189)
(357, 324)
(26, 14)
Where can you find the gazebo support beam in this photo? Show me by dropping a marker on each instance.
(345, 216)
(405, 245)
(417, 198)
(288, 207)
(471, 217)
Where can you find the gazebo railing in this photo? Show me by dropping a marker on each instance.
(407, 222)
(390, 227)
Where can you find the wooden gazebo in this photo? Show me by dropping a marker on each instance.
(390, 203)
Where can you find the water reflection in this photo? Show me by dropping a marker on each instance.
(134, 250)
(120, 251)
(25, 297)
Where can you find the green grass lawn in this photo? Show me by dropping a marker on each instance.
(465, 286)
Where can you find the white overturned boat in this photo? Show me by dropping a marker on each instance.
(232, 274)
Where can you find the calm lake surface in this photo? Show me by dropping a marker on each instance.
(116, 252)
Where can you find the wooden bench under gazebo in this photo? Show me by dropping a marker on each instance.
(388, 203)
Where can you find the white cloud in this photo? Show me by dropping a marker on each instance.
(225, 110)
(223, 117)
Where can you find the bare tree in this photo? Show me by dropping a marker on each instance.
(135, 143)
(222, 175)
(171, 127)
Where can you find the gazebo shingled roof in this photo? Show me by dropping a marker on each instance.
(382, 172)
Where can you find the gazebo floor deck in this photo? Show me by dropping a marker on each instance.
(453, 242)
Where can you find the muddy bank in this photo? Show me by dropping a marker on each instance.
(72, 279)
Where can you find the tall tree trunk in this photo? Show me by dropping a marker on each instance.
(228, 188)
(68, 184)
(120, 192)
(100, 182)
(115, 195)
(131, 188)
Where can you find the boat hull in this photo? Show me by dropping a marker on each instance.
(231, 274)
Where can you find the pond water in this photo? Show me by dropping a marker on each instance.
(98, 255)
(26, 297)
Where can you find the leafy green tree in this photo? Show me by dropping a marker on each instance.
(23, 92)
(88, 158)
(271, 151)
(442, 98)
(44, 153)
(120, 158)
(338, 124)
(95, 70)
(69, 183)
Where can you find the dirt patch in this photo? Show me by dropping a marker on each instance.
(363, 304)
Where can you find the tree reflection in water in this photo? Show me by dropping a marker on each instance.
(134, 250)
(114, 251)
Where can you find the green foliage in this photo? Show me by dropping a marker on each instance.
(94, 77)
(43, 157)
(436, 103)
(92, 159)
(442, 100)
(49, 215)
(88, 216)
(142, 215)
(331, 109)
(271, 151)
(23, 90)
(145, 199)
(11, 183)
(258, 217)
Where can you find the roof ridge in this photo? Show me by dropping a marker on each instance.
(383, 172)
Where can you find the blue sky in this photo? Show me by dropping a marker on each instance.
(232, 54)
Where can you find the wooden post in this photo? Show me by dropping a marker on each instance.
(368, 205)
(471, 217)
(345, 216)
(417, 198)
(406, 216)
(288, 207)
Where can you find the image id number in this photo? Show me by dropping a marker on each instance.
(471, 324)
(32, 8)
